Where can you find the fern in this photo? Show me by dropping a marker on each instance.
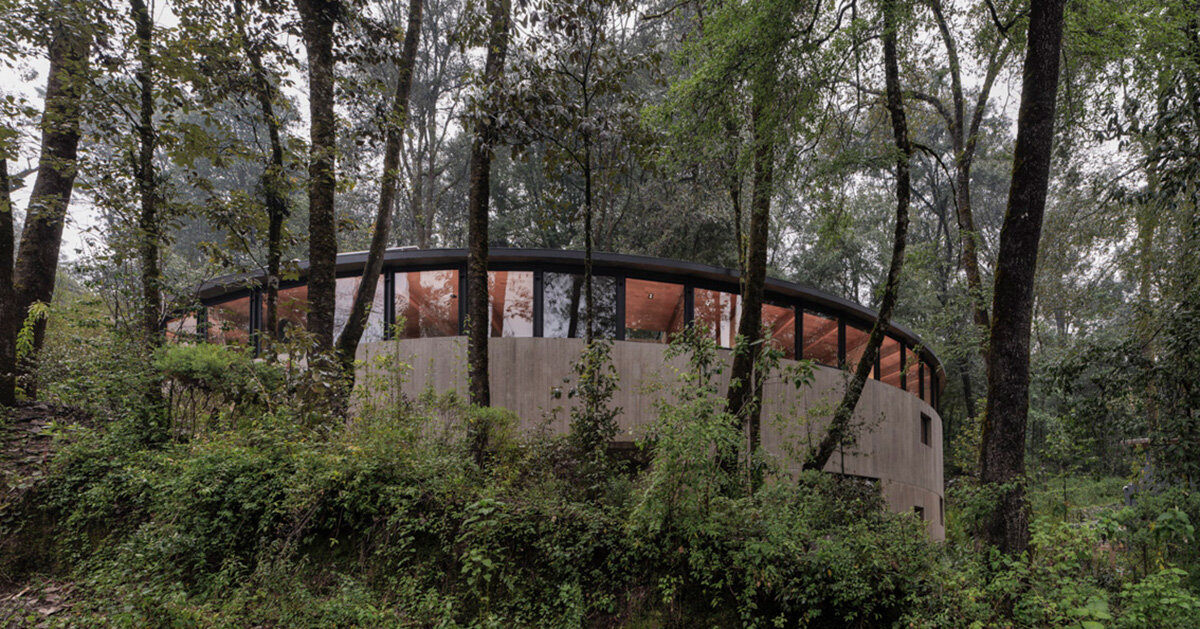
(38, 311)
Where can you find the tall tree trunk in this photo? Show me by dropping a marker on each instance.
(8, 318)
(1002, 456)
(740, 397)
(317, 18)
(477, 207)
(397, 119)
(36, 264)
(148, 221)
(840, 426)
(274, 180)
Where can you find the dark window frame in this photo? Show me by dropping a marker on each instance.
(611, 268)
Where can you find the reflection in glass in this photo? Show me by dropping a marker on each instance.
(781, 322)
(889, 361)
(720, 313)
(181, 328)
(510, 303)
(564, 313)
(426, 304)
(820, 339)
(291, 311)
(229, 322)
(930, 381)
(344, 300)
(856, 344)
(653, 311)
(912, 378)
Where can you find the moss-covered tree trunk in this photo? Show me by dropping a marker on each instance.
(317, 19)
(149, 234)
(1002, 451)
(8, 329)
(36, 265)
(741, 397)
(477, 207)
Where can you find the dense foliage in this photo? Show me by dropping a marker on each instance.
(212, 487)
(266, 516)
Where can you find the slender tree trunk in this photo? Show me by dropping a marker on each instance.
(1002, 457)
(317, 18)
(148, 222)
(477, 207)
(964, 367)
(397, 120)
(36, 264)
(274, 180)
(964, 138)
(840, 426)
(963, 158)
(740, 397)
(589, 303)
(8, 318)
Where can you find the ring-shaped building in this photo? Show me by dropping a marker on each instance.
(536, 317)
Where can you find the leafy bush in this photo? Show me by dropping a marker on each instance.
(1160, 600)
(437, 513)
(207, 381)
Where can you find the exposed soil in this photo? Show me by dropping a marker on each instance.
(26, 447)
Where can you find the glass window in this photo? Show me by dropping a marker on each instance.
(229, 322)
(181, 328)
(426, 303)
(344, 300)
(930, 383)
(291, 311)
(510, 303)
(820, 339)
(912, 374)
(564, 313)
(653, 311)
(889, 361)
(781, 322)
(856, 344)
(720, 312)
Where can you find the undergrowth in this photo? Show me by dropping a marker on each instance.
(264, 514)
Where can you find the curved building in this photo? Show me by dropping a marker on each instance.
(536, 320)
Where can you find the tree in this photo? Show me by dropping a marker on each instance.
(274, 179)
(483, 145)
(394, 130)
(964, 135)
(434, 160)
(148, 221)
(8, 340)
(745, 388)
(839, 426)
(317, 20)
(1002, 455)
(36, 265)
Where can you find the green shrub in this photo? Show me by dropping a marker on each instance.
(1160, 600)
(432, 512)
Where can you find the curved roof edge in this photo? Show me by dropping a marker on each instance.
(355, 261)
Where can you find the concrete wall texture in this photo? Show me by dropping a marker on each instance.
(525, 373)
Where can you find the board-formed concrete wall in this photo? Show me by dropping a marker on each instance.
(526, 373)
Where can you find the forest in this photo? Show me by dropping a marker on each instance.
(1017, 182)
